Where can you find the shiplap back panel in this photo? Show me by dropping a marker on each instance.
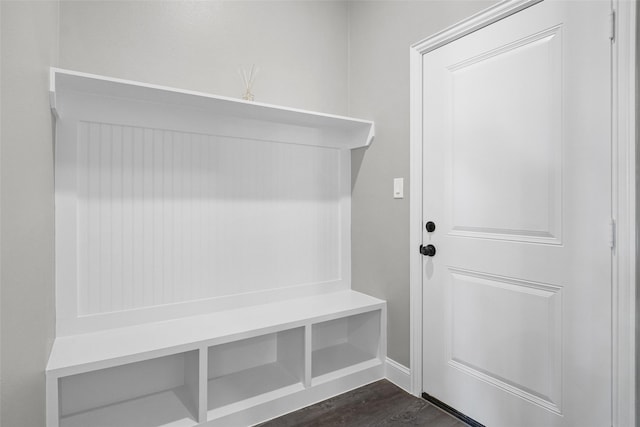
(166, 217)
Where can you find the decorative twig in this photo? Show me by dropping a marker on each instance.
(248, 80)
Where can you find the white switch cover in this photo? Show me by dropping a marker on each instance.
(398, 188)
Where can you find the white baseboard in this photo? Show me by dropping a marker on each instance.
(398, 374)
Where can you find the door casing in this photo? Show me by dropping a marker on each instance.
(624, 169)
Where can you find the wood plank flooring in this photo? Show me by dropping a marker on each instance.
(380, 404)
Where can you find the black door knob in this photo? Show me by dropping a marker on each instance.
(428, 250)
(430, 226)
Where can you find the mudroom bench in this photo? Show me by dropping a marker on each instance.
(203, 258)
(230, 368)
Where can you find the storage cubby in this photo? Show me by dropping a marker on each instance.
(345, 342)
(252, 367)
(156, 392)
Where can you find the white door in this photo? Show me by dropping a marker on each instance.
(517, 179)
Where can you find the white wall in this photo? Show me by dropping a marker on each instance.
(29, 34)
(380, 33)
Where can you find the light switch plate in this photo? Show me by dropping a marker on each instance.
(398, 188)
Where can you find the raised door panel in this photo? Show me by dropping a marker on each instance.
(506, 168)
(507, 332)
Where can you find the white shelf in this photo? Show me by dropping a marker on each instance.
(75, 93)
(86, 352)
(237, 367)
(165, 409)
(255, 370)
(247, 384)
(345, 345)
(156, 392)
(334, 358)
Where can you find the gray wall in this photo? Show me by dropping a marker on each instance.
(637, 379)
(0, 218)
(345, 57)
(29, 34)
(300, 46)
(336, 57)
(380, 33)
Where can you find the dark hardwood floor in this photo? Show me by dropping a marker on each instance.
(380, 404)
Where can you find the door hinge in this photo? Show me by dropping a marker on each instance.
(612, 26)
(612, 233)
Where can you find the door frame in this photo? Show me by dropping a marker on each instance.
(624, 168)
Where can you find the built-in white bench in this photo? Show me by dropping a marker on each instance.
(235, 367)
(203, 259)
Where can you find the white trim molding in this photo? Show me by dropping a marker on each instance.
(398, 374)
(623, 191)
(473, 23)
(415, 222)
(624, 212)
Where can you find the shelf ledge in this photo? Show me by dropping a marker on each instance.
(75, 354)
(81, 96)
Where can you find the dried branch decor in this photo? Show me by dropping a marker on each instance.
(248, 77)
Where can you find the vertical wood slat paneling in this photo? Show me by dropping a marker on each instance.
(86, 269)
(167, 208)
(166, 217)
(138, 219)
(157, 217)
(105, 213)
(127, 219)
(116, 173)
